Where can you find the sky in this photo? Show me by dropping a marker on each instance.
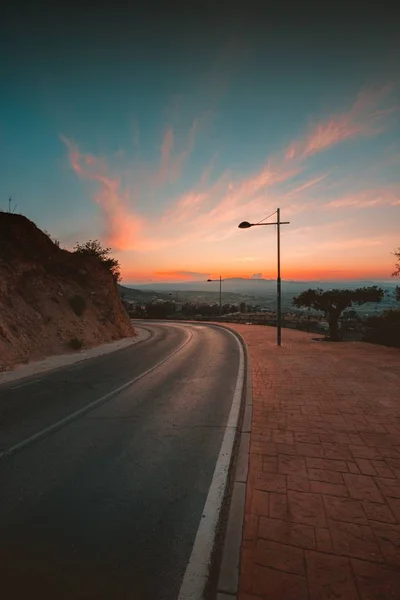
(158, 129)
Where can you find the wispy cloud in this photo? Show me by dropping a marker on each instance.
(121, 221)
(384, 196)
(367, 116)
(210, 208)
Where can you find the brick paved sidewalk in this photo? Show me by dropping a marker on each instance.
(323, 496)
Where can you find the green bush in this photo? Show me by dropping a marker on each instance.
(384, 329)
(78, 305)
(75, 343)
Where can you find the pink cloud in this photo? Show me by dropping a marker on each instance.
(366, 117)
(172, 163)
(386, 196)
(209, 211)
(122, 224)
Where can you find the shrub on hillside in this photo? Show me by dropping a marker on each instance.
(384, 329)
(75, 343)
(94, 248)
(78, 305)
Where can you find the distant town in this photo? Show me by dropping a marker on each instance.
(255, 303)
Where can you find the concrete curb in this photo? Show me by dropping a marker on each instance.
(229, 564)
(229, 570)
(55, 362)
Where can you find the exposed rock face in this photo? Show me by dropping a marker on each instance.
(52, 300)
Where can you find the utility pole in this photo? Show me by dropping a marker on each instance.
(246, 225)
(220, 295)
(278, 281)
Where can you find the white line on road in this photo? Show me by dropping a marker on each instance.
(196, 575)
(88, 407)
(17, 387)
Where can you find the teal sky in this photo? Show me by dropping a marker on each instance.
(158, 130)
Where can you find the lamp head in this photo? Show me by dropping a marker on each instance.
(244, 225)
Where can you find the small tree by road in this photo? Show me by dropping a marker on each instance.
(94, 248)
(334, 302)
(396, 272)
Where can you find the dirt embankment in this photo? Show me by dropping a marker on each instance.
(52, 300)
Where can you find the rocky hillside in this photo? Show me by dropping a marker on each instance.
(52, 301)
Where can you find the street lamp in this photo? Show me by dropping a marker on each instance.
(220, 292)
(247, 225)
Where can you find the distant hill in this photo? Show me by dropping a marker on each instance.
(255, 286)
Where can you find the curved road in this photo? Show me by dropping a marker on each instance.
(108, 505)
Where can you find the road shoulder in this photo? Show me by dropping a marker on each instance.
(58, 361)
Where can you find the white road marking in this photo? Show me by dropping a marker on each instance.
(88, 407)
(17, 387)
(196, 575)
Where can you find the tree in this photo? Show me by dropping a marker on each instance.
(334, 302)
(396, 272)
(94, 248)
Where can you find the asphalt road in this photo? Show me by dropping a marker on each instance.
(108, 505)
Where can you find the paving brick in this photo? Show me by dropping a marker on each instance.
(323, 475)
(394, 504)
(356, 439)
(300, 484)
(336, 451)
(270, 464)
(250, 527)
(354, 539)
(280, 556)
(394, 464)
(364, 451)
(327, 464)
(275, 585)
(282, 436)
(382, 469)
(286, 449)
(389, 487)
(366, 467)
(323, 487)
(388, 536)
(270, 482)
(246, 571)
(286, 532)
(307, 508)
(362, 487)
(335, 437)
(308, 449)
(260, 503)
(307, 399)
(323, 539)
(389, 451)
(278, 506)
(306, 437)
(330, 577)
(345, 509)
(352, 466)
(376, 582)
(379, 512)
(292, 465)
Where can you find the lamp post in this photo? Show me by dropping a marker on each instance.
(278, 222)
(220, 292)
